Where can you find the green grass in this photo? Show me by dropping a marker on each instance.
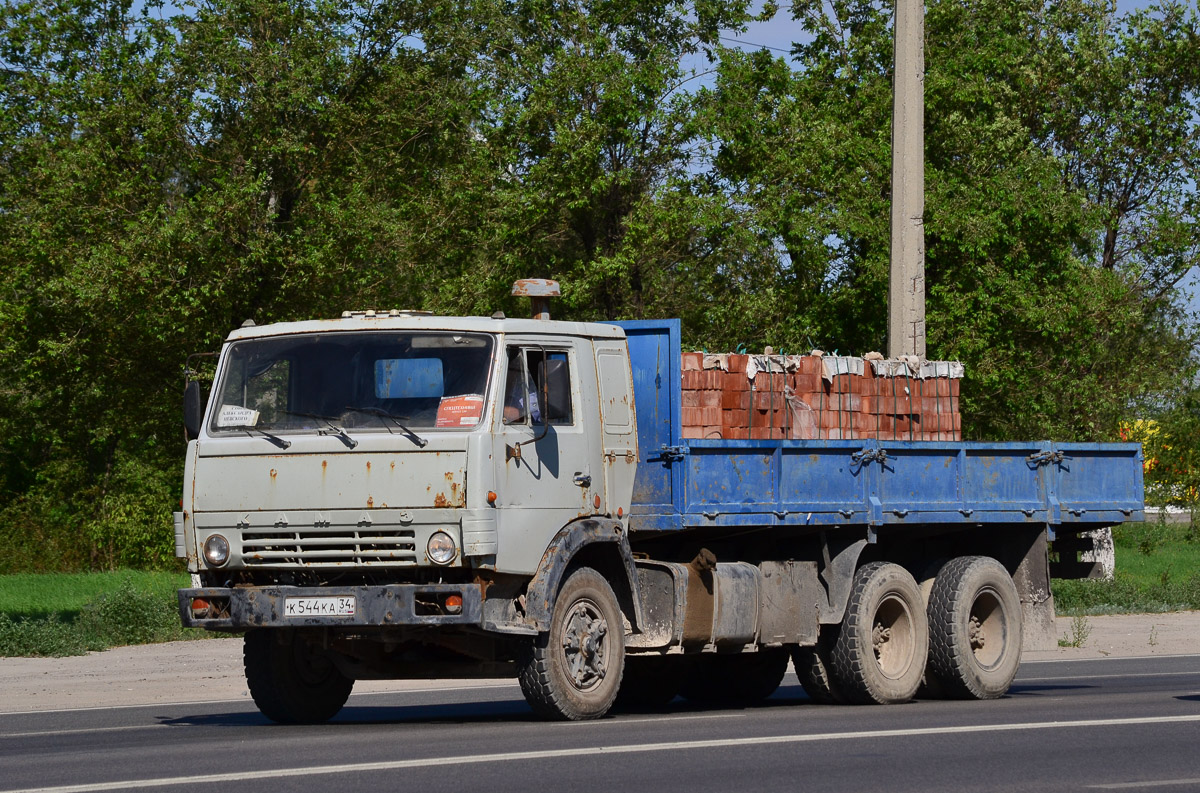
(58, 614)
(42, 594)
(1158, 569)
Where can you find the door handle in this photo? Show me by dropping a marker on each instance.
(583, 480)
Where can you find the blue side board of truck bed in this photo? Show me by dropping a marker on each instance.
(717, 483)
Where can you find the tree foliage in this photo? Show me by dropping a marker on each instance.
(167, 171)
(1061, 154)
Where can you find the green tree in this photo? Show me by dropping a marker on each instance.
(1057, 339)
(162, 179)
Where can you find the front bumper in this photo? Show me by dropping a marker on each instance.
(243, 608)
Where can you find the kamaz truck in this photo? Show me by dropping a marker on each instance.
(393, 494)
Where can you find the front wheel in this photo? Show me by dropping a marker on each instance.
(573, 671)
(881, 648)
(291, 681)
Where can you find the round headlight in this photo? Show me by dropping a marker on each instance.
(216, 550)
(440, 548)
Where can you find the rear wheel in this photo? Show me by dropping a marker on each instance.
(881, 648)
(975, 629)
(291, 680)
(813, 671)
(573, 671)
(735, 679)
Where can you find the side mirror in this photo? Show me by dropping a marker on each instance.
(193, 409)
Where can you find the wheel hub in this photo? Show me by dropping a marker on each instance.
(976, 634)
(879, 637)
(583, 642)
(892, 637)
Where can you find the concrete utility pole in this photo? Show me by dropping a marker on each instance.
(906, 283)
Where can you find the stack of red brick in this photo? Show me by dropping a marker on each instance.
(815, 397)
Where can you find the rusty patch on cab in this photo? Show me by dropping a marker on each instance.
(440, 500)
(273, 474)
(370, 502)
(368, 466)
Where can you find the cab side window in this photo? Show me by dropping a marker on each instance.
(535, 374)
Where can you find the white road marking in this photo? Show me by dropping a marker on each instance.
(1033, 661)
(575, 752)
(1020, 680)
(1154, 783)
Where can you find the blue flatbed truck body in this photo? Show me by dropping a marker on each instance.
(879, 486)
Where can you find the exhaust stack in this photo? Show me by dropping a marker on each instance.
(539, 291)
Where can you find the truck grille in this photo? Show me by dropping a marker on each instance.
(328, 547)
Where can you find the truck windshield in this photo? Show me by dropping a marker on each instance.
(383, 381)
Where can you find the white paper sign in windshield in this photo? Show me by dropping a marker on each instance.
(236, 416)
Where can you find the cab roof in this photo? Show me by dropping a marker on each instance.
(413, 321)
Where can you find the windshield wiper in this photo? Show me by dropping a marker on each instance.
(331, 428)
(397, 420)
(275, 439)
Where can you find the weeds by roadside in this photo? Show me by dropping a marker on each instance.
(126, 615)
(1081, 629)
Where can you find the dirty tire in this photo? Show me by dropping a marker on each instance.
(291, 683)
(974, 629)
(928, 576)
(813, 671)
(930, 687)
(881, 648)
(649, 682)
(573, 671)
(735, 679)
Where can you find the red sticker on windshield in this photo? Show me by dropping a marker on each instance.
(460, 411)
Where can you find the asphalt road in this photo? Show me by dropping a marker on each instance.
(1111, 724)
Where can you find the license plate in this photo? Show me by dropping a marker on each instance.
(320, 607)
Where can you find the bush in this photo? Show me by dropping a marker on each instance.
(48, 636)
(69, 520)
(127, 615)
(133, 526)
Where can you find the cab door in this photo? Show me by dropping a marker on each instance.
(548, 471)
